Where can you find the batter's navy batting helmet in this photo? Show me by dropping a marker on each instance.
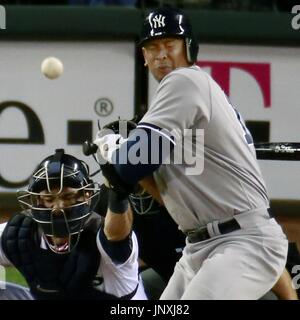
(48, 182)
(164, 22)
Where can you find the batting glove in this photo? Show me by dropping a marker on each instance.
(108, 144)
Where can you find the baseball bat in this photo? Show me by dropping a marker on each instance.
(278, 151)
(264, 150)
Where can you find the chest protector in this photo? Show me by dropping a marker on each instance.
(50, 275)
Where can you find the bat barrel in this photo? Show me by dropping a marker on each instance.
(288, 151)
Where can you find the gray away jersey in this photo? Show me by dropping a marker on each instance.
(231, 181)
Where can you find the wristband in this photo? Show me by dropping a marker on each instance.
(117, 203)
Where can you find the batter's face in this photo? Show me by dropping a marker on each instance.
(164, 55)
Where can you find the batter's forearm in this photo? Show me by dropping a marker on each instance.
(142, 154)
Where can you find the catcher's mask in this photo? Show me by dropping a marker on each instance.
(143, 203)
(168, 22)
(59, 199)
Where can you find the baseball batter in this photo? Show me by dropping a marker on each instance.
(234, 249)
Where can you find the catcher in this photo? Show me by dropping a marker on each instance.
(62, 248)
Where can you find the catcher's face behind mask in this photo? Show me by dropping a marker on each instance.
(59, 198)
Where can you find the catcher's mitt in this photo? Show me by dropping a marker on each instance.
(119, 127)
(114, 182)
(122, 128)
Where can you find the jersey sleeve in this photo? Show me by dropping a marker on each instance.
(3, 260)
(119, 279)
(182, 98)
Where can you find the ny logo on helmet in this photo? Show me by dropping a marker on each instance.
(157, 22)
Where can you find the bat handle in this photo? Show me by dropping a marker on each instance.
(89, 148)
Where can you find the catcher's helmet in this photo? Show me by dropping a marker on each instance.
(165, 22)
(49, 180)
(60, 170)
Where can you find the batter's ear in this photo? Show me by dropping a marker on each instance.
(144, 55)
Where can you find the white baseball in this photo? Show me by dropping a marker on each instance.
(52, 67)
